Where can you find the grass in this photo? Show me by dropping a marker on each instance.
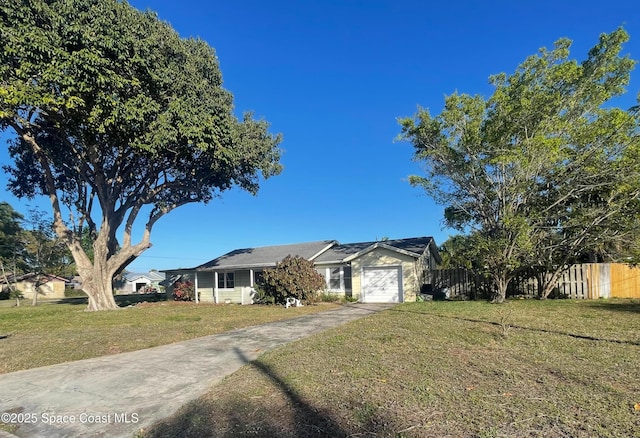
(436, 369)
(48, 334)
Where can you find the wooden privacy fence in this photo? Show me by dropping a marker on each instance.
(584, 281)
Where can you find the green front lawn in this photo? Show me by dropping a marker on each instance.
(459, 369)
(53, 333)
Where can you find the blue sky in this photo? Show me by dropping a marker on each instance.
(333, 77)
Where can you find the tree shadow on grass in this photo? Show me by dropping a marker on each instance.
(133, 299)
(76, 301)
(625, 305)
(245, 417)
(533, 329)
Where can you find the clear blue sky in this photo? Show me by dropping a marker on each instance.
(333, 77)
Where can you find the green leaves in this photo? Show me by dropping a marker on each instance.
(293, 277)
(117, 82)
(114, 111)
(536, 171)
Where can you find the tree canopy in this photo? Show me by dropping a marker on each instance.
(113, 111)
(543, 170)
(10, 230)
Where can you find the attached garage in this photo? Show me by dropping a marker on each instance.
(385, 275)
(382, 284)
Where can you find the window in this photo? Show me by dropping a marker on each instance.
(258, 277)
(226, 280)
(338, 278)
(334, 278)
(230, 280)
(347, 277)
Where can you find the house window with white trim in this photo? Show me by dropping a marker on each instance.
(334, 279)
(226, 280)
(338, 278)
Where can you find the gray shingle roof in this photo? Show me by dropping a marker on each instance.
(338, 253)
(152, 275)
(30, 275)
(265, 256)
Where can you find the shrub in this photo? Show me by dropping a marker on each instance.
(70, 292)
(328, 297)
(261, 296)
(293, 277)
(183, 291)
(10, 293)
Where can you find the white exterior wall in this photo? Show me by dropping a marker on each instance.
(230, 295)
(131, 285)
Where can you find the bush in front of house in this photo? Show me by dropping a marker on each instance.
(327, 297)
(293, 277)
(183, 291)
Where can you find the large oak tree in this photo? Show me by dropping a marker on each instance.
(117, 118)
(543, 170)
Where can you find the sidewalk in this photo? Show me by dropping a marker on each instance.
(116, 396)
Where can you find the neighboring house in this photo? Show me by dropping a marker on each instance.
(372, 272)
(75, 282)
(46, 285)
(134, 282)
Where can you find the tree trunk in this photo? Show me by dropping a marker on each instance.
(97, 280)
(551, 284)
(99, 289)
(500, 294)
(97, 274)
(548, 280)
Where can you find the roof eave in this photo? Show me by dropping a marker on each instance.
(381, 245)
(330, 262)
(228, 267)
(323, 250)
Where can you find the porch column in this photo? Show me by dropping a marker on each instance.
(195, 286)
(251, 277)
(215, 287)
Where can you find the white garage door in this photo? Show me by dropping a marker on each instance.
(382, 285)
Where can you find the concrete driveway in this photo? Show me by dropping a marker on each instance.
(116, 396)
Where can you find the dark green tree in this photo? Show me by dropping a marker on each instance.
(293, 277)
(542, 171)
(44, 251)
(11, 244)
(458, 252)
(117, 118)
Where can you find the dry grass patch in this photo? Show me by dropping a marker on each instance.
(564, 368)
(54, 333)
